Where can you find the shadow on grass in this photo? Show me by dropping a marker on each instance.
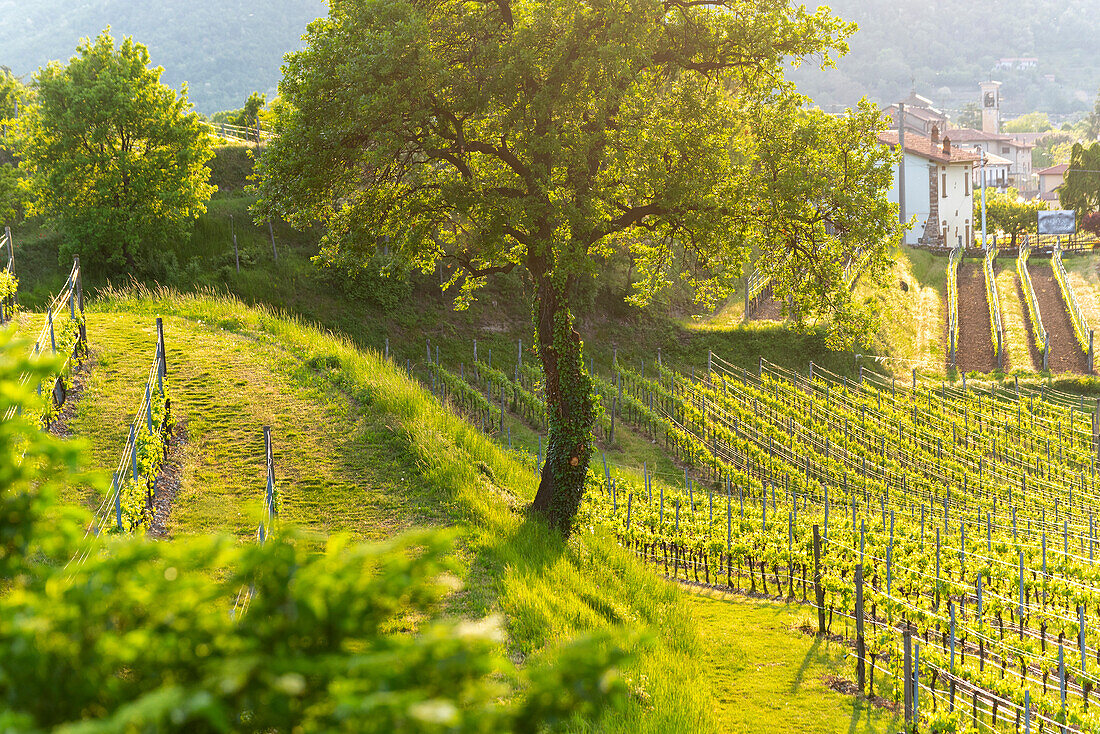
(807, 659)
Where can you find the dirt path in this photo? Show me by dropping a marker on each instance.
(1065, 353)
(976, 351)
(768, 309)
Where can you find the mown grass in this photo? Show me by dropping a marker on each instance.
(775, 679)
(911, 307)
(340, 468)
(1083, 277)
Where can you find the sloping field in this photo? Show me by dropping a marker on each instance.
(976, 351)
(360, 447)
(1018, 354)
(338, 465)
(1065, 354)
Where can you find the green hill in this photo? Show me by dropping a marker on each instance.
(360, 447)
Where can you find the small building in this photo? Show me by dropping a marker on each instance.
(1016, 62)
(920, 115)
(1050, 180)
(938, 188)
(1017, 152)
(996, 171)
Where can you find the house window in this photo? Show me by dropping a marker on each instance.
(966, 181)
(1006, 149)
(943, 187)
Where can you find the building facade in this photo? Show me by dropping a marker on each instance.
(938, 189)
(996, 171)
(1018, 154)
(1050, 180)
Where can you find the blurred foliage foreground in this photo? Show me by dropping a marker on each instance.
(121, 633)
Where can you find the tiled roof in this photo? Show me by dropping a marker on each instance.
(992, 159)
(966, 135)
(922, 146)
(921, 113)
(1059, 170)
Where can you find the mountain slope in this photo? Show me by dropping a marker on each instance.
(944, 48)
(223, 50)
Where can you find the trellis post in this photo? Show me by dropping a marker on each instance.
(861, 647)
(907, 675)
(819, 591)
(236, 253)
(160, 340)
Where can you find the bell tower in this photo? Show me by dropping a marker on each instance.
(991, 107)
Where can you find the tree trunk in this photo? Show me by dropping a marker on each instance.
(569, 404)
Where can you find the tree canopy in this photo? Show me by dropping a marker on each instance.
(1008, 214)
(1081, 189)
(547, 135)
(1032, 122)
(14, 96)
(970, 116)
(113, 156)
(246, 116)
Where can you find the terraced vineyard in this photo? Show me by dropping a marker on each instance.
(968, 510)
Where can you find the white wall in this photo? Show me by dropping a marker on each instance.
(916, 194)
(957, 203)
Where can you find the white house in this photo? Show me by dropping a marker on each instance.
(938, 189)
(997, 172)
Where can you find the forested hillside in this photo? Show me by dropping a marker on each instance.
(943, 48)
(241, 48)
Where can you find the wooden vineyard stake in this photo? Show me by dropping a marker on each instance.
(951, 610)
(1062, 679)
(1081, 635)
(819, 591)
(662, 516)
(907, 675)
(1023, 596)
(236, 254)
(978, 591)
(861, 647)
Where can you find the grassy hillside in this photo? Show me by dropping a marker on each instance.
(361, 447)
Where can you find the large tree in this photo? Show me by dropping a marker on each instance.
(113, 156)
(545, 135)
(1008, 213)
(14, 96)
(1081, 190)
